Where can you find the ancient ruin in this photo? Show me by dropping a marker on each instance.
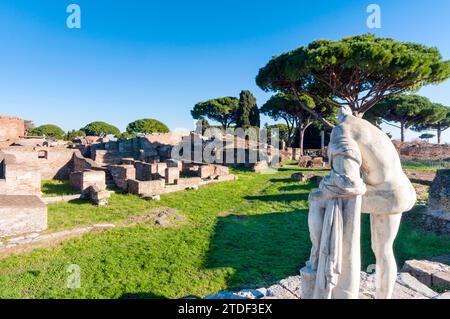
(141, 166)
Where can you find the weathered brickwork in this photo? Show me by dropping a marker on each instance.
(21, 214)
(11, 129)
(85, 179)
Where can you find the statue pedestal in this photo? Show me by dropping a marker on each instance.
(308, 281)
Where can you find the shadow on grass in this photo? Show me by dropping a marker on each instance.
(421, 181)
(298, 187)
(293, 197)
(304, 170)
(58, 188)
(262, 249)
(281, 180)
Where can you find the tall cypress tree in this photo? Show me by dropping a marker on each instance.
(247, 112)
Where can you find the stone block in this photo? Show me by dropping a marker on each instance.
(98, 196)
(190, 167)
(226, 178)
(106, 157)
(285, 156)
(317, 162)
(161, 169)
(442, 279)
(220, 170)
(128, 161)
(121, 174)
(189, 182)
(260, 166)
(20, 180)
(429, 273)
(146, 188)
(174, 163)
(85, 179)
(303, 161)
(145, 171)
(299, 177)
(206, 171)
(439, 203)
(172, 174)
(21, 214)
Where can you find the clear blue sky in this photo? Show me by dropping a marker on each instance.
(135, 59)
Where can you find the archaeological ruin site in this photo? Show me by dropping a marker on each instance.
(215, 159)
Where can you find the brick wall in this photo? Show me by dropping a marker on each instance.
(11, 128)
(50, 162)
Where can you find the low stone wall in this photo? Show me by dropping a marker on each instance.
(18, 179)
(50, 162)
(11, 129)
(87, 178)
(21, 215)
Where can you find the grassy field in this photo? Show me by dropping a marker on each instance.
(421, 165)
(243, 234)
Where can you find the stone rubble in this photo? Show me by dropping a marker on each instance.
(406, 287)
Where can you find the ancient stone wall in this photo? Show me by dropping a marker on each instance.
(422, 151)
(11, 129)
(82, 180)
(18, 179)
(50, 162)
(21, 215)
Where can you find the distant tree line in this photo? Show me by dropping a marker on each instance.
(98, 128)
(374, 76)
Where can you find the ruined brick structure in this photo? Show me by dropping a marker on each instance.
(21, 214)
(141, 166)
(11, 130)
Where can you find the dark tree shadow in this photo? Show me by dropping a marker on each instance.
(281, 180)
(290, 197)
(298, 187)
(420, 181)
(262, 249)
(61, 189)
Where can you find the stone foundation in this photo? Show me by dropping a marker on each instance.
(146, 188)
(21, 214)
(121, 174)
(85, 179)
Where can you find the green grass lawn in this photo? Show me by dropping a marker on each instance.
(57, 188)
(243, 234)
(422, 165)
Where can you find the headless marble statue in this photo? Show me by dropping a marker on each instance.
(366, 176)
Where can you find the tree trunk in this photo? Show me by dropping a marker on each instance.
(290, 135)
(439, 131)
(403, 131)
(302, 130)
(311, 111)
(301, 136)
